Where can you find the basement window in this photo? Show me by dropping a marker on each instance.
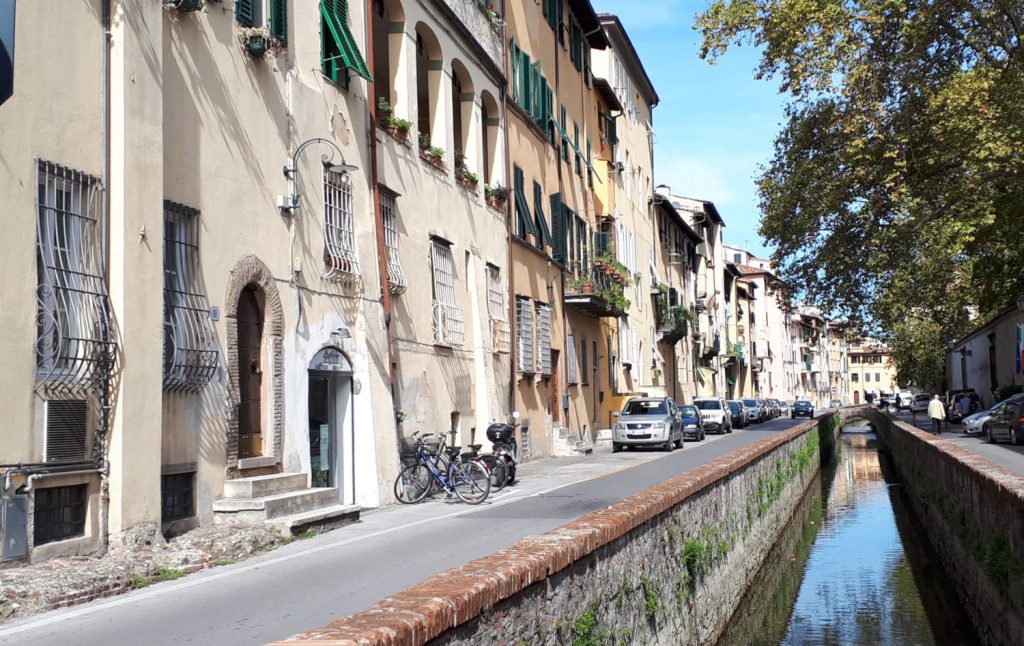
(59, 513)
(177, 495)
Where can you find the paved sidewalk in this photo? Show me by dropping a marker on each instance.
(1005, 455)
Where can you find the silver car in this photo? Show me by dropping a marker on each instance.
(648, 421)
(974, 424)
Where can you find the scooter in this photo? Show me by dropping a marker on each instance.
(503, 439)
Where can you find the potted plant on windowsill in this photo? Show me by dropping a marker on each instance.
(496, 196)
(259, 42)
(431, 153)
(469, 179)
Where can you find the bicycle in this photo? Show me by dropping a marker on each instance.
(438, 465)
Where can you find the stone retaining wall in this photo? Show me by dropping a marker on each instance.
(973, 512)
(667, 565)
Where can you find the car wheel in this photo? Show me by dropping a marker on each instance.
(793, 416)
(679, 442)
(616, 447)
(991, 439)
(1013, 436)
(703, 435)
(669, 445)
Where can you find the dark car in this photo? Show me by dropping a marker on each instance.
(802, 408)
(1006, 422)
(737, 412)
(693, 424)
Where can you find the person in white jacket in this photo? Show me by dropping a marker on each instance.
(937, 412)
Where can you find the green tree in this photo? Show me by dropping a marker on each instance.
(896, 190)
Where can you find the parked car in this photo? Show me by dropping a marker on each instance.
(693, 424)
(755, 411)
(920, 403)
(802, 408)
(773, 407)
(783, 408)
(835, 403)
(904, 399)
(977, 423)
(737, 412)
(955, 413)
(715, 414)
(648, 421)
(1006, 421)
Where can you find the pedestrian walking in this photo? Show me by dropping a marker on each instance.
(965, 406)
(937, 413)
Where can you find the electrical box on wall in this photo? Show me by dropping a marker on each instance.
(14, 527)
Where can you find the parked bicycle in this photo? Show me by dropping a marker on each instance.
(436, 465)
(497, 466)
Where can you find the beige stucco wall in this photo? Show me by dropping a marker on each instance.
(978, 376)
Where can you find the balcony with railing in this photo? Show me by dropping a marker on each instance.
(595, 293)
(673, 321)
(449, 325)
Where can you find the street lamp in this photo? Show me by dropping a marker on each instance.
(290, 202)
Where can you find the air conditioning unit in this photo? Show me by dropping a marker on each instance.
(702, 250)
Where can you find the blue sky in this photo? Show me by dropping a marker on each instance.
(715, 123)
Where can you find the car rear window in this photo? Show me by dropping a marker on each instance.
(708, 404)
(645, 408)
(733, 406)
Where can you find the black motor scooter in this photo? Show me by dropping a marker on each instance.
(503, 439)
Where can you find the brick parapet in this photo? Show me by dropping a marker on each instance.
(473, 596)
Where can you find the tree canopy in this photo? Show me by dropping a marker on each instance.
(895, 195)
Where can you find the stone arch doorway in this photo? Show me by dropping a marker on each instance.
(856, 397)
(254, 320)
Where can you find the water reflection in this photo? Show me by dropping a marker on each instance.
(851, 567)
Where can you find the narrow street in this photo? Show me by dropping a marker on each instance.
(311, 582)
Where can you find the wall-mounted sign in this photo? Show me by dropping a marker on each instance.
(330, 359)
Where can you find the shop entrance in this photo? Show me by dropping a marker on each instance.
(331, 436)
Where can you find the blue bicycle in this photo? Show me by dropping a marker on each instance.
(433, 465)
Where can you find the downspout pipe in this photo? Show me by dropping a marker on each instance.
(512, 323)
(378, 218)
(104, 420)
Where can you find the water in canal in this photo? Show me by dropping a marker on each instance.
(852, 567)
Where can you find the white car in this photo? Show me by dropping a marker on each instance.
(974, 424)
(905, 399)
(716, 414)
(920, 403)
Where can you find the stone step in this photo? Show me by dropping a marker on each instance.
(318, 519)
(257, 510)
(260, 486)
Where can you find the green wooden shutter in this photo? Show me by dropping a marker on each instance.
(557, 228)
(522, 206)
(279, 20)
(335, 17)
(613, 137)
(544, 233)
(570, 232)
(514, 58)
(244, 12)
(600, 243)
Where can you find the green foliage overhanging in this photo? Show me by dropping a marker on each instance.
(895, 196)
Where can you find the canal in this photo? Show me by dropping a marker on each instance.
(852, 567)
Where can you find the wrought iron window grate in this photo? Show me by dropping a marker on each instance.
(449, 323)
(397, 281)
(190, 344)
(573, 366)
(339, 238)
(524, 335)
(75, 340)
(544, 339)
(59, 513)
(177, 493)
(500, 329)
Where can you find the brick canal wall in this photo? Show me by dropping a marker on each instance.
(667, 565)
(973, 512)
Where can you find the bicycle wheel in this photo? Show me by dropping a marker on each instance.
(413, 483)
(471, 482)
(499, 474)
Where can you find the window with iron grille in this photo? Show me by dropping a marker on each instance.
(397, 282)
(497, 312)
(543, 339)
(449, 326)
(59, 513)
(573, 369)
(190, 347)
(75, 342)
(524, 335)
(177, 494)
(339, 238)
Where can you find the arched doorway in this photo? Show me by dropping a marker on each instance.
(856, 397)
(250, 372)
(331, 429)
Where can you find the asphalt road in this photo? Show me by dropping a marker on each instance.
(312, 582)
(1005, 454)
